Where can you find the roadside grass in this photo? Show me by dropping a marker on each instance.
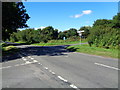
(57, 42)
(112, 53)
(20, 42)
(9, 50)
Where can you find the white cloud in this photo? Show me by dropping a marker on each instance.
(40, 28)
(85, 12)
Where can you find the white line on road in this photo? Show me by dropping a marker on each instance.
(32, 58)
(29, 56)
(73, 86)
(5, 67)
(24, 59)
(35, 61)
(27, 62)
(62, 79)
(107, 66)
(52, 72)
(46, 68)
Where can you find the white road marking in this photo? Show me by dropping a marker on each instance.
(39, 63)
(46, 68)
(24, 59)
(27, 62)
(29, 56)
(35, 61)
(62, 79)
(107, 66)
(32, 58)
(5, 67)
(53, 73)
(73, 86)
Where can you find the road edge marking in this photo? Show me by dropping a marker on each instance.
(107, 66)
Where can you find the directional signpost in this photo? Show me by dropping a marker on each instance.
(80, 34)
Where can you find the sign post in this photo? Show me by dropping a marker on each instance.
(80, 34)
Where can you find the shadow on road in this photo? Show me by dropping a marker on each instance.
(29, 50)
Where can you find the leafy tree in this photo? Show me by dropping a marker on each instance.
(61, 35)
(13, 16)
(105, 33)
(116, 21)
(86, 30)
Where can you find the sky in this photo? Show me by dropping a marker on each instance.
(66, 15)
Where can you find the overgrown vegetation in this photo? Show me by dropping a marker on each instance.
(105, 33)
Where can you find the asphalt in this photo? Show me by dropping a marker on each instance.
(56, 67)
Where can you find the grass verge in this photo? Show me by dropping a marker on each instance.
(9, 50)
(57, 42)
(112, 53)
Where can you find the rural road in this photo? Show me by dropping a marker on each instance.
(55, 67)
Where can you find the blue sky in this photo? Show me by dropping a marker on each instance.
(66, 15)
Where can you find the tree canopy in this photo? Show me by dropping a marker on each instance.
(105, 33)
(14, 16)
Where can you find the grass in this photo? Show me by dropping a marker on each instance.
(57, 42)
(9, 50)
(113, 53)
(20, 42)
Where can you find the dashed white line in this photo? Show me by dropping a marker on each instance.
(52, 72)
(29, 56)
(35, 61)
(73, 86)
(5, 67)
(107, 66)
(32, 58)
(46, 68)
(24, 59)
(62, 79)
(27, 62)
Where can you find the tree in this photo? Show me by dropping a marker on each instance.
(13, 16)
(86, 30)
(61, 35)
(105, 33)
(116, 21)
(49, 33)
(103, 22)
